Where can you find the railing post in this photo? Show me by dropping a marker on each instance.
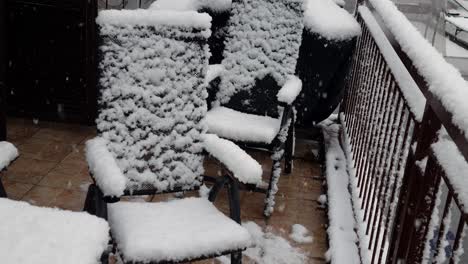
(413, 213)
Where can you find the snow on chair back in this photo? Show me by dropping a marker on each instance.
(263, 43)
(152, 95)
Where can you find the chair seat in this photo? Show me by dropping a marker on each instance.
(242, 127)
(177, 230)
(31, 234)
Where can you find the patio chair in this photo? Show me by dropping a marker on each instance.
(32, 234)
(252, 92)
(151, 140)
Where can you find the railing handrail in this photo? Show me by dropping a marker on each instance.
(444, 115)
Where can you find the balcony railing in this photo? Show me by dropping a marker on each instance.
(406, 201)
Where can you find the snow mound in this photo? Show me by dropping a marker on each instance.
(239, 126)
(152, 97)
(244, 167)
(452, 162)
(264, 39)
(31, 234)
(330, 21)
(270, 248)
(290, 90)
(300, 234)
(8, 153)
(104, 169)
(195, 5)
(175, 230)
(144, 17)
(342, 237)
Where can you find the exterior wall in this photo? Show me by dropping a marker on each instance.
(3, 64)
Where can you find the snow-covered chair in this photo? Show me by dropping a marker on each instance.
(252, 92)
(32, 234)
(152, 140)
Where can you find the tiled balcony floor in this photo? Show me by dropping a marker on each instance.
(52, 171)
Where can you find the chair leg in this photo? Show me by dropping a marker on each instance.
(2, 190)
(94, 203)
(289, 150)
(89, 204)
(273, 186)
(236, 258)
(234, 201)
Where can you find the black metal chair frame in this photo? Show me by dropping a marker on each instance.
(277, 145)
(96, 204)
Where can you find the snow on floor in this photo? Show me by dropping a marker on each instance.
(342, 237)
(269, 248)
(300, 234)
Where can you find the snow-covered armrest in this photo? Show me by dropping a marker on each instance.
(213, 72)
(242, 165)
(8, 153)
(104, 168)
(290, 90)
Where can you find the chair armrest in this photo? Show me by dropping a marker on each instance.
(290, 90)
(102, 165)
(214, 71)
(8, 153)
(243, 167)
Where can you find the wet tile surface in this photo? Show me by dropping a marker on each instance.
(52, 171)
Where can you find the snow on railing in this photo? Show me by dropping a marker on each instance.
(409, 195)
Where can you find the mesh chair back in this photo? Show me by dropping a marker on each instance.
(262, 45)
(152, 66)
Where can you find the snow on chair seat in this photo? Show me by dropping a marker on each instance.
(8, 153)
(235, 125)
(177, 230)
(31, 234)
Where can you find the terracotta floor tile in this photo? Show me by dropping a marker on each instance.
(27, 170)
(16, 190)
(71, 134)
(20, 130)
(42, 196)
(77, 182)
(51, 150)
(56, 197)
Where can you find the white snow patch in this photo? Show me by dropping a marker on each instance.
(342, 237)
(330, 21)
(104, 169)
(194, 5)
(322, 199)
(241, 164)
(271, 249)
(8, 153)
(214, 71)
(187, 19)
(238, 126)
(443, 79)
(31, 234)
(454, 164)
(204, 191)
(300, 234)
(290, 90)
(174, 230)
